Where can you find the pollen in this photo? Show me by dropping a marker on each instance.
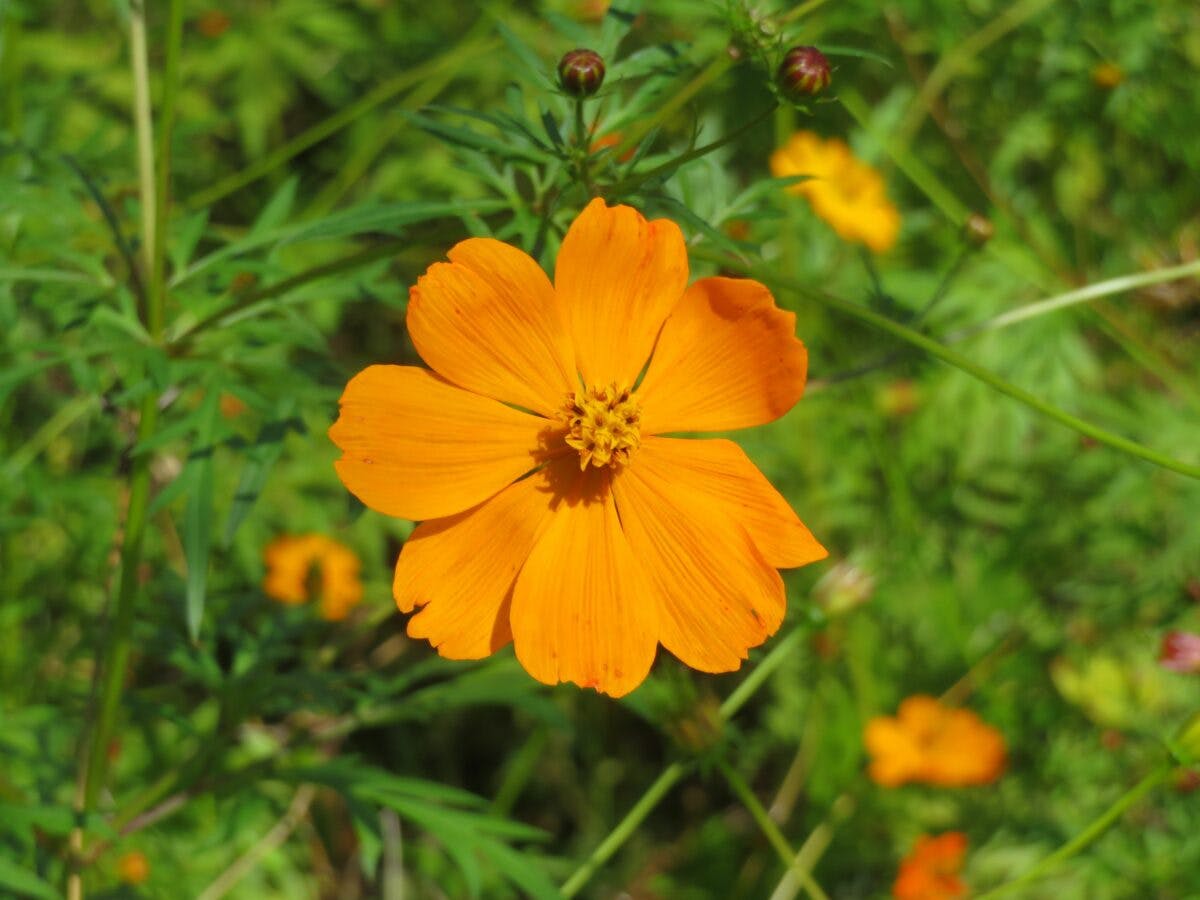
(603, 424)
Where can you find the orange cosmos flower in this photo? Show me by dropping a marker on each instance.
(844, 191)
(930, 872)
(292, 559)
(558, 515)
(934, 744)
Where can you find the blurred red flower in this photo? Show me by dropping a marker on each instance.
(1180, 651)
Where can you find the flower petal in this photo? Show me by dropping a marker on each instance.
(720, 472)
(716, 595)
(727, 357)
(490, 322)
(619, 276)
(460, 570)
(581, 610)
(419, 448)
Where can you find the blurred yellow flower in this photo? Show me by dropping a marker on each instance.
(933, 744)
(844, 191)
(930, 872)
(334, 568)
(133, 867)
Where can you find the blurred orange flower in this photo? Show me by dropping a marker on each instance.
(933, 744)
(558, 516)
(133, 867)
(299, 566)
(844, 191)
(930, 872)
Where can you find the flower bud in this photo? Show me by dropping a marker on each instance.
(581, 72)
(1180, 651)
(804, 72)
(978, 229)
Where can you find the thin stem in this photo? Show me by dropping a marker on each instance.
(274, 838)
(638, 178)
(1086, 837)
(162, 183)
(670, 776)
(706, 76)
(118, 642)
(582, 150)
(676, 770)
(455, 59)
(963, 54)
(760, 673)
(770, 830)
(814, 847)
(1118, 285)
(144, 128)
(959, 361)
(249, 301)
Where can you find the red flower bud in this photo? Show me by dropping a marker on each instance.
(1180, 651)
(804, 72)
(581, 72)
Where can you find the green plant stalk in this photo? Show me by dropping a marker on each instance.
(115, 653)
(915, 170)
(959, 361)
(636, 179)
(706, 76)
(1086, 837)
(1118, 285)
(963, 53)
(162, 162)
(145, 131)
(770, 830)
(670, 776)
(118, 642)
(760, 673)
(582, 150)
(453, 60)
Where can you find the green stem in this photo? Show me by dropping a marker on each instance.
(964, 53)
(1118, 285)
(626, 184)
(959, 361)
(670, 776)
(676, 770)
(144, 129)
(252, 299)
(760, 673)
(162, 184)
(774, 836)
(115, 653)
(118, 643)
(706, 76)
(1086, 837)
(453, 60)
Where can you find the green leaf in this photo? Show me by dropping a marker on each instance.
(24, 882)
(268, 447)
(473, 140)
(197, 517)
(278, 208)
(527, 60)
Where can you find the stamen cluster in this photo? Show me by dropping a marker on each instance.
(603, 424)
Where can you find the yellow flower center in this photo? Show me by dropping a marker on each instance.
(603, 424)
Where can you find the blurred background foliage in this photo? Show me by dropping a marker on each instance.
(324, 154)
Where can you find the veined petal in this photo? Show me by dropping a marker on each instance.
(416, 447)
(717, 597)
(619, 276)
(460, 570)
(727, 357)
(719, 472)
(490, 322)
(581, 610)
